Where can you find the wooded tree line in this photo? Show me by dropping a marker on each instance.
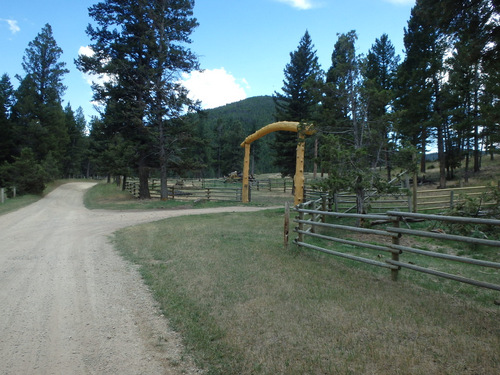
(40, 140)
(373, 110)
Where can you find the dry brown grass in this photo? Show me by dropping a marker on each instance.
(245, 306)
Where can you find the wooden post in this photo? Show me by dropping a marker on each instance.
(452, 193)
(395, 256)
(299, 171)
(301, 225)
(246, 169)
(2, 195)
(414, 195)
(323, 208)
(286, 229)
(14, 192)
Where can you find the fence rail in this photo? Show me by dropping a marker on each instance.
(188, 192)
(427, 200)
(312, 218)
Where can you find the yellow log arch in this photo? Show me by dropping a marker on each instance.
(289, 126)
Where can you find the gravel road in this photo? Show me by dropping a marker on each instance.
(69, 304)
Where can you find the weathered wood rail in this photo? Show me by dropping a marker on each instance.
(316, 233)
(427, 200)
(188, 192)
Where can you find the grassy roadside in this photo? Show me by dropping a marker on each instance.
(245, 306)
(110, 197)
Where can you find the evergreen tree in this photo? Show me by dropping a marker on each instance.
(7, 141)
(344, 152)
(76, 126)
(420, 80)
(298, 102)
(342, 89)
(37, 113)
(141, 44)
(379, 73)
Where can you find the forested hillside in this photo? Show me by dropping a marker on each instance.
(223, 129)
(372, 111)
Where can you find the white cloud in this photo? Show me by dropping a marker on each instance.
(92, 78)
(215, 87)
(13, 26)
(300, 4)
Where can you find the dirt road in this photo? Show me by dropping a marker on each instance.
(69, 304)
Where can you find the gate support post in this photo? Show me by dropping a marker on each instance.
(246, 169)
(299, 171)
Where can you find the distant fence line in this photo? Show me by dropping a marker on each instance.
(312, 227)
(427, 200)
(187, 191)
(211, 189)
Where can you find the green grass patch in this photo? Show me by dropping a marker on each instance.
(244, 305)
(111, 197)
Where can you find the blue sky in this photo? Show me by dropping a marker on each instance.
(243, 45)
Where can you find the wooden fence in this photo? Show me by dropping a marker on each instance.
(316, 233)
(188, 191)
(427, 200)
(440, 199)
(273, 184)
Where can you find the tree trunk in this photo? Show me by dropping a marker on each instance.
(144, 181)
(424, 144)
(476, 149)
(163, 163)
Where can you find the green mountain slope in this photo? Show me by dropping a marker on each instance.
(224, 128)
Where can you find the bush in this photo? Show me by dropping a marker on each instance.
(26, 174)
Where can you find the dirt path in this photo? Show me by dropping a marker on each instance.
(69, 304)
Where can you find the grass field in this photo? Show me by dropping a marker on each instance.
(244, 305)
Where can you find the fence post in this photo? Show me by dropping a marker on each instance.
(2, 195)
(395, 256)
(336, 202)
(284, 185)
(452, 193)
(286, 229)
(323, 208)
(14, 192)
(301, 225)
(270, 187)
(313, 220)
(208, 195)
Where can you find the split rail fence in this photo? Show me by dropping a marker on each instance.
(188, 192)
(427, 200)
(316, 231)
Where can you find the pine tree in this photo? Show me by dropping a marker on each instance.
(344, 154)
(37, 112)
(420, 80)
(141, 45)
(379, 73)
(298, 102)
(7, 141)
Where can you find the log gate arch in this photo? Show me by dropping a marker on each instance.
(290, 126)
